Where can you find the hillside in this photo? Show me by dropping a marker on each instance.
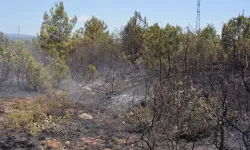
(16, 37)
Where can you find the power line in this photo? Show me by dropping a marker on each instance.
(198, 15)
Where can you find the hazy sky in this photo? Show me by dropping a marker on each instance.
(28, 14)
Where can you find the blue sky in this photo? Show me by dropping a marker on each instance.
(28, 14)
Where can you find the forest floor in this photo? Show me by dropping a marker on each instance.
(103, 128)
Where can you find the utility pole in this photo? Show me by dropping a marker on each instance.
(198, 16)
(18, 30)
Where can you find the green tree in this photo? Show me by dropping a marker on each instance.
(96, 31)
(6, 60)
(28, 71)
(210, 39)
(55, 34)
(57, 41)
(236, 37)
(133, 37)
(153, 46)
(172, 41)
(4, 42)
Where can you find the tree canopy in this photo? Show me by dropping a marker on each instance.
(56, 32)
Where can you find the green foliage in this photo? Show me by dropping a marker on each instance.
(209, 41)
(32, 73)
(6, 60)
(56, 40)
(172, 38)
(55, 34)
(58, 70)
(133, 36)
(4, 42)
(25, 69)
(161, 44)
(35, 44)
(196, 120)
(96, 32)
(138, 115)
(45, 112)
(236, 35)
(91, 69)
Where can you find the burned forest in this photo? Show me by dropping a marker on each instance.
(156, 87)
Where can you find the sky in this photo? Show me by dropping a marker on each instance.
(28, 14)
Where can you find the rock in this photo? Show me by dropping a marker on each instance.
(86, 89)
(67, 142)
(52, 143)
(85, 116)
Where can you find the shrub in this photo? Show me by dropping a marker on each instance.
(45, 112)
(6, 61)
(31, 73)
(59, 70)
(91, 71)
(196, 121)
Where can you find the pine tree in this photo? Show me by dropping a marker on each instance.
(56, 30)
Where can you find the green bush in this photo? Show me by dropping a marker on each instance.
(45, 112)
(91, 71)
(59, 70)
(31, 73)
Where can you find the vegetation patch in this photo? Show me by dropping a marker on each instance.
(44, 112)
